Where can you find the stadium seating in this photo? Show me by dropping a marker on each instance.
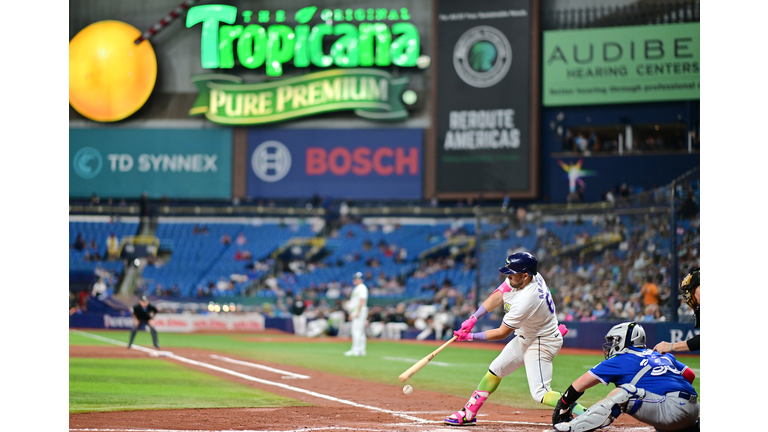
(202, 258)
(97, 229)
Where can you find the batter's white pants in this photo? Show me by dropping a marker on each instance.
(299, 325)
(536, 354)
(358, 334)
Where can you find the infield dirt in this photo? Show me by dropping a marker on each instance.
(419, 411)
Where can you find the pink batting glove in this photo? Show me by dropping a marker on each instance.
(563, 330)
(462, 336)
(467, 325)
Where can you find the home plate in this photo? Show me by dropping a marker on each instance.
(160, 354)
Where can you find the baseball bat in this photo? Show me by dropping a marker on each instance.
(423, 362)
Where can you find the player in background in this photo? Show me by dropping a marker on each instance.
(690, 288)
(143, 314)
(297, 316)
(651, 387)
(528, 311)
(358, 314)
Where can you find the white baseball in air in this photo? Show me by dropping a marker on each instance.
(407, 389)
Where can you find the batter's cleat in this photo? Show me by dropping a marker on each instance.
(459, 418)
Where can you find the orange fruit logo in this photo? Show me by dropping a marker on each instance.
(110, 77)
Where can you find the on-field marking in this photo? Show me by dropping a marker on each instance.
(258, 366)
(401, 414)
(214, 430)
(407, 360)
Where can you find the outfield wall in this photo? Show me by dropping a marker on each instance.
(585, 335)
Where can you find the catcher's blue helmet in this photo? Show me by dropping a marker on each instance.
(521, 262)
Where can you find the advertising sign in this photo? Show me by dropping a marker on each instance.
(596, 175)
(355, 163)
(343, 48)
(621, 64)
(483, 96)
(127, 162)
(371, 93)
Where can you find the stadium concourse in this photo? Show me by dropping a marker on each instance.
(420, 270)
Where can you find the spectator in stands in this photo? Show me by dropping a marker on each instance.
(396, 323)
(94, 249)
(113, 246)
(241, 240)
(650, 292)
(226, 240)
(80, 243)
(74, 307)
(99, 289)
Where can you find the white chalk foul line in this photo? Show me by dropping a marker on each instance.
(400, 414)
(276, 384)
(215, 430)
(258, 366)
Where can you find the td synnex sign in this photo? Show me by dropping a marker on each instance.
(127, 162)
(336, 163)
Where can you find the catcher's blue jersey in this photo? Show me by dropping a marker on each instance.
(665, 375)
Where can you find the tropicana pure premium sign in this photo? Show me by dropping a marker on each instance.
(360, 39)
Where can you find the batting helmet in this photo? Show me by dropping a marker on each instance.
(521, 262)
(622, 336)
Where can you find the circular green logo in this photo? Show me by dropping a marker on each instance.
(482, 56)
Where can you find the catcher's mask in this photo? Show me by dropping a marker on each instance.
(622, 336)
(689, 285)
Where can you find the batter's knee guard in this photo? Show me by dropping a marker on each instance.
(604, 412)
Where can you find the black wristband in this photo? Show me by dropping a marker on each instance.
(693, 343)
(571, 395)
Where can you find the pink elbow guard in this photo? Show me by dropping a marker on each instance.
(504, 288)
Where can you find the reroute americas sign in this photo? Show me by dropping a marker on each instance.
(355, 40)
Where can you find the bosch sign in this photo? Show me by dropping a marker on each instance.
(361, 161)
(301, 163)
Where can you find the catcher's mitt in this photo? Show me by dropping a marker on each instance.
(690, 282)
(562, 412)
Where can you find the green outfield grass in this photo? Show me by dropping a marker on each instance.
(386, 360)
(143, 384)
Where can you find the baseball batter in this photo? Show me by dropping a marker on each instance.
(358, 314)
(530, 313)
(651, 387)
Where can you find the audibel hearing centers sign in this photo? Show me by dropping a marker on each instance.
(127, 162)
(352, 41)
(621, 64)
(355, 163)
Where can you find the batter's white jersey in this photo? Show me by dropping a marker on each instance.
(530, 310)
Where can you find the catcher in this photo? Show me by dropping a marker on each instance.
(651, 387)
(690, 288)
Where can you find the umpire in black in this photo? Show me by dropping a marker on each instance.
(143, 314)
(691, 293)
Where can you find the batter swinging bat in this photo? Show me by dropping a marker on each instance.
(423, 362)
